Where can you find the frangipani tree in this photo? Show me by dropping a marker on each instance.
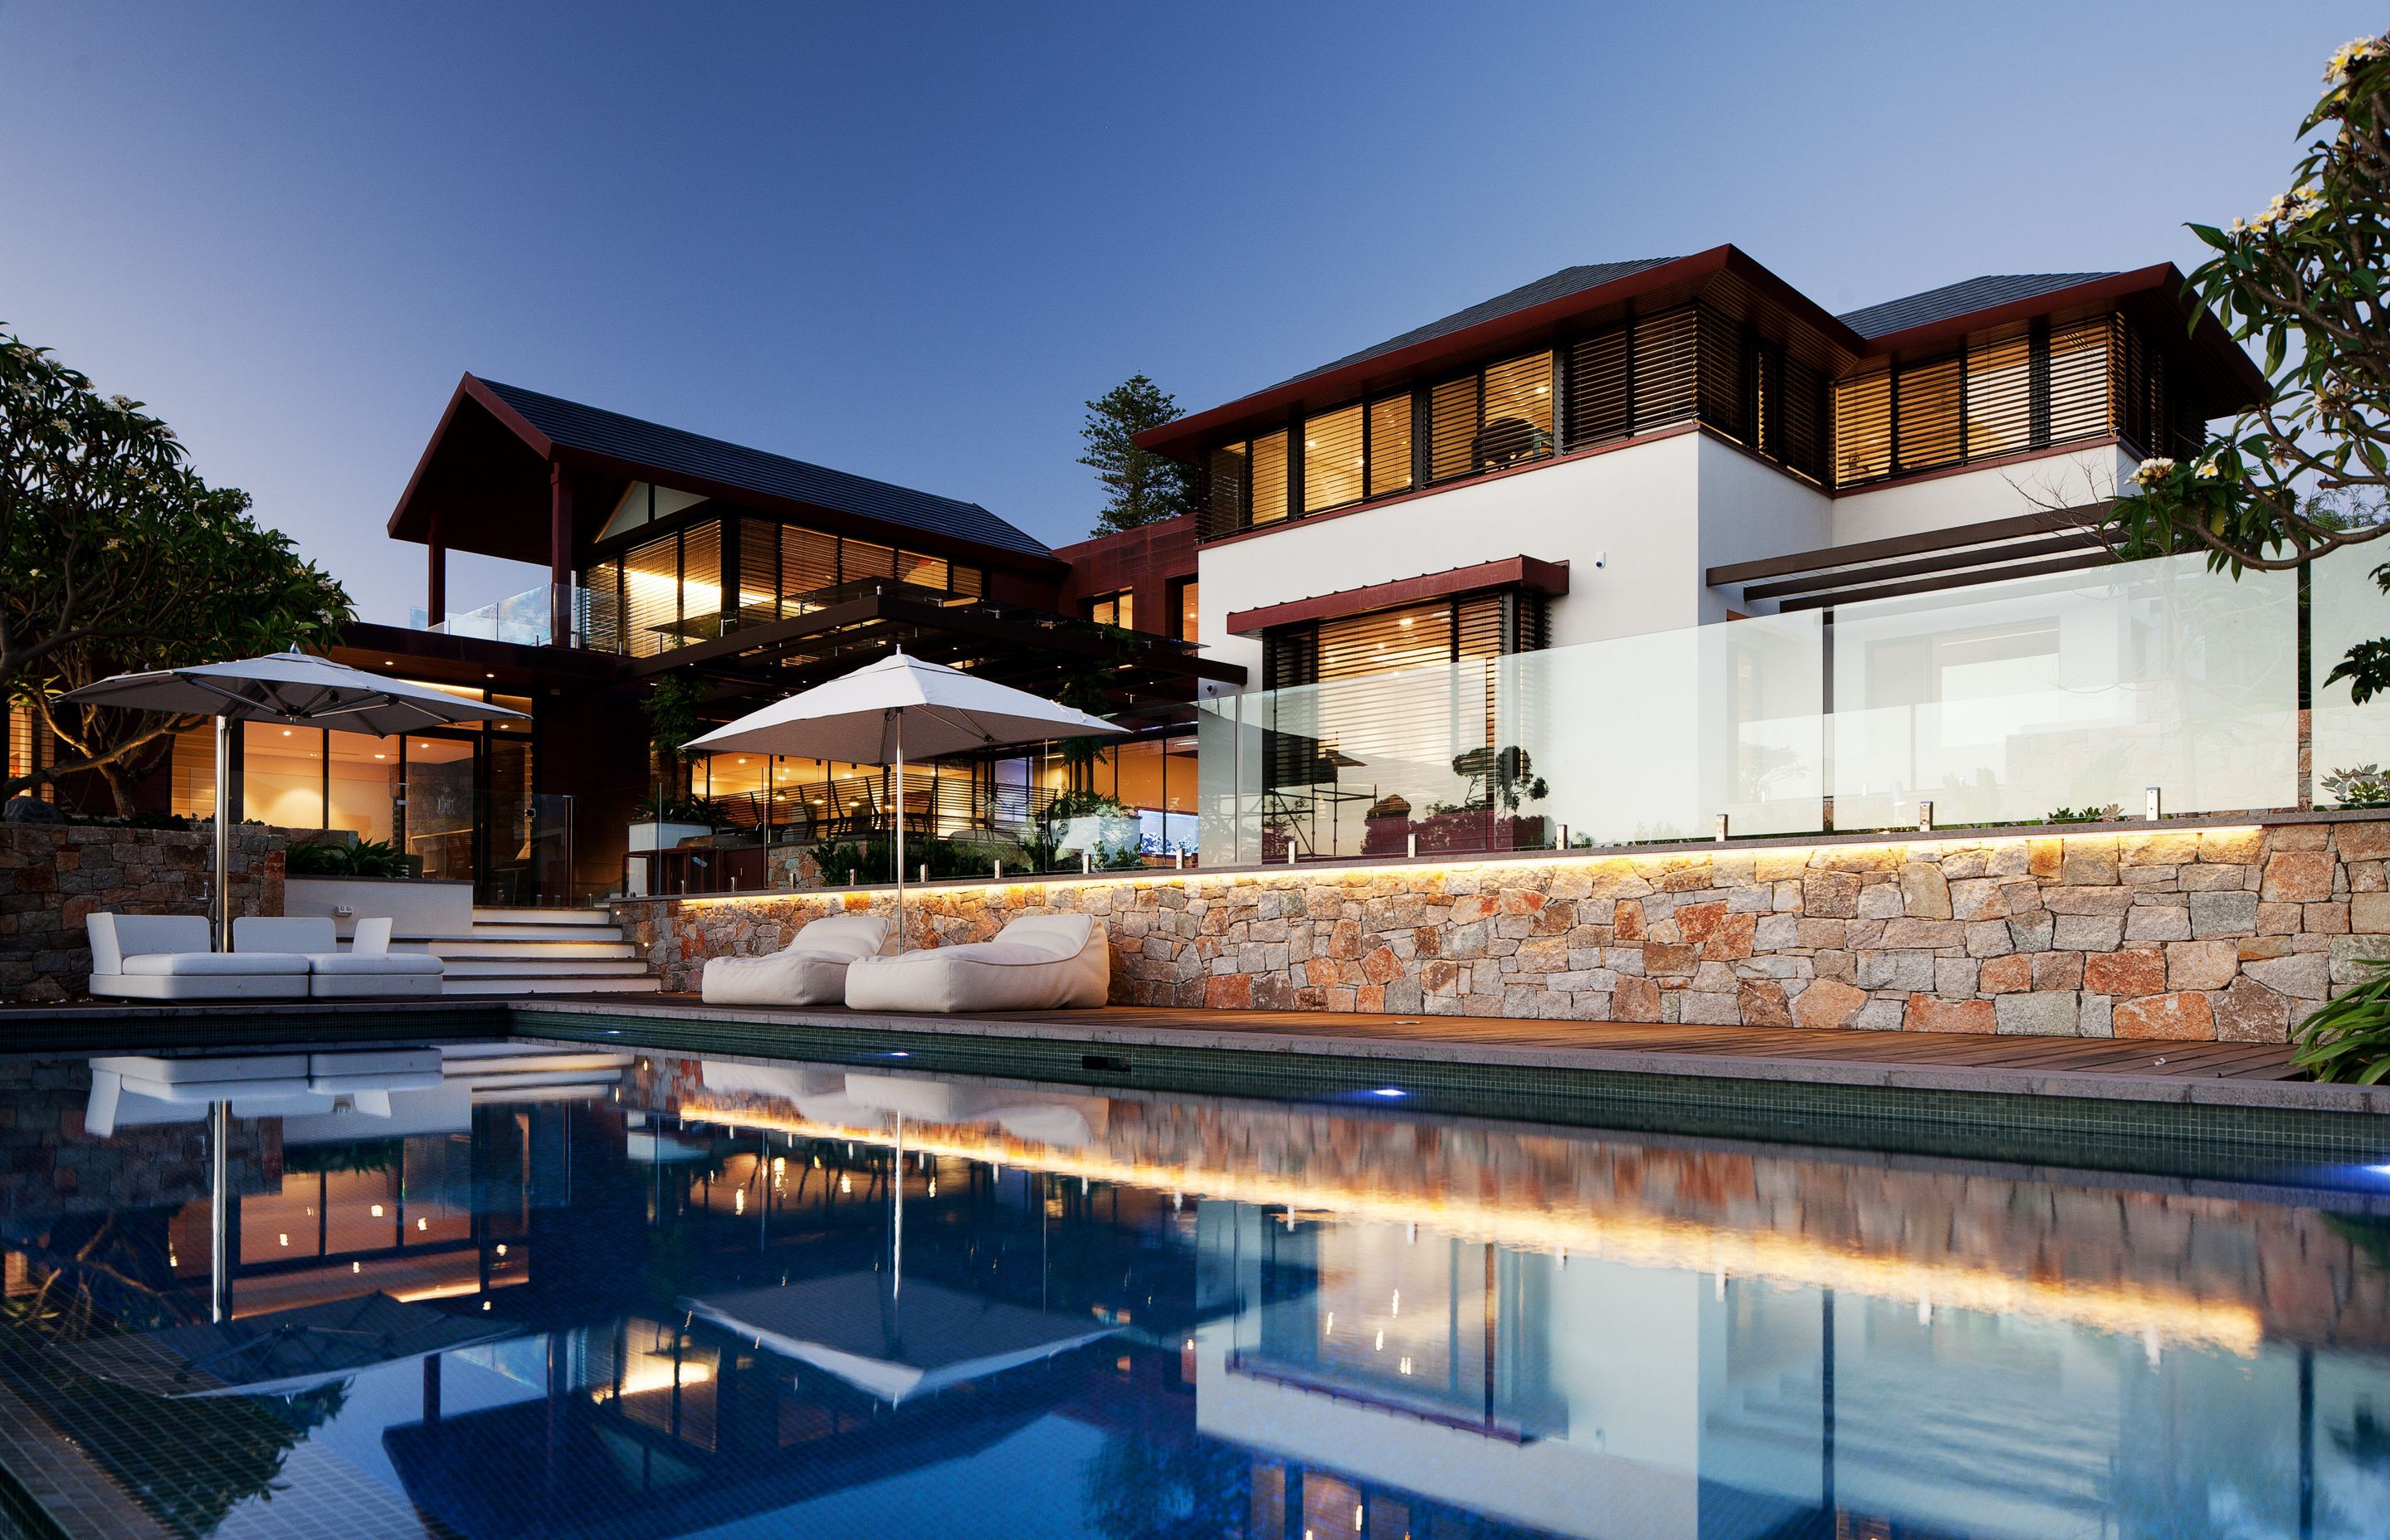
(2308, 472)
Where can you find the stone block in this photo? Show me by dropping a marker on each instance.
(1665, 959)
(1827, 1003)
(2008, 975)
(1763, 1003)
(2297, 877)
(1831, 894)
(2249, 1012)
(1954, 978)
(1980, 898)
(1635, 1000)
(2087, 901)
(1924, 1013)
(2223, 914)
(2136, 970)
(2325, 919)
(2089, 860)
(2370, 913)
(2302, 975)
(2088, 932)
(2043, 1013)
(2179, 1016)
(1989, 937)
(2238, 846)
(2032, 932)
(2157, 922)
(2200, 964)
(1924, 892)
(2058, 969)
(1901, 970)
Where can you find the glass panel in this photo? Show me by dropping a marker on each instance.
(1390, 445)
(366, 774)
(1188, 612)
(759, 570)
(282, 776)
(1269, 478)
(509, 815)
(1863, 427)
(808, 564)
(2352, 742)
(439, 805)
(735, 783)
(1734, 709)
(2068, 692)
(651, 596)
(1332, 468)
(1518, 412)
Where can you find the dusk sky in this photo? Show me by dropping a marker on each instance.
(909, 242)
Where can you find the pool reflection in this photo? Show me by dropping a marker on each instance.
(594, 1294)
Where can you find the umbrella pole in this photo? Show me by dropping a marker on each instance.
(219, 1210)
(223, 915)
(898, 802)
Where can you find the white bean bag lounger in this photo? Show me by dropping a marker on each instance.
(367, 968)
(1043, 962)
(169, 958)
(810, 970)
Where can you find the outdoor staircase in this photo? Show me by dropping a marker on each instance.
(537, 952)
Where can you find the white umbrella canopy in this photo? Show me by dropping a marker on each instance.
(282, 686)
(900, 708)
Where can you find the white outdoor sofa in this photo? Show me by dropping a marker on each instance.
(169, 958)
(369, 968)
(810, 970)
(137, 1090)
(1040, 962)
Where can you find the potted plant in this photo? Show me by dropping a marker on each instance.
(1091, 823)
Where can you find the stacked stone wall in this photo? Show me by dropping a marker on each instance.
(53, 875)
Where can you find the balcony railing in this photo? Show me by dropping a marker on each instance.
(2027, 700)
(526, 618)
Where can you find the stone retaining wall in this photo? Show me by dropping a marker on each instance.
(2198, 933)
(52, 875)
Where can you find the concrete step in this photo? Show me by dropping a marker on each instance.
(644, 984)
(487, 916)
(535, 968)
(535, 932)
(480, 947)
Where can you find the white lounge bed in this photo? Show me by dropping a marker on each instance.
(1041, 962)
(369, 968)
(170, 957)
(810, 970)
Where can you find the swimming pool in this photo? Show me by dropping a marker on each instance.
(505, 1288)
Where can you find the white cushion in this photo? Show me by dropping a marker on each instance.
(186, 1069)
(350, 986)
(214, 964)
(368, 962)
(113, 936)
(284, 933)
(375, 1061)
(811, 970)
(194, 986)
(1032, 965)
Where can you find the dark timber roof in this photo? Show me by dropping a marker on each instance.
(1964, 298)
(664, 451)
(1568, 280)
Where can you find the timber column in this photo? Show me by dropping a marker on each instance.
(560, 557)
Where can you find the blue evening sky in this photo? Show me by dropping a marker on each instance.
(910, 240)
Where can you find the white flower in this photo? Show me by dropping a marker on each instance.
(2208, 471)
(2157, 468)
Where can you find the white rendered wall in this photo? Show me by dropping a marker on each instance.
(2065, 478)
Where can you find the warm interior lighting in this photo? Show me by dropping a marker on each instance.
(376, 1211)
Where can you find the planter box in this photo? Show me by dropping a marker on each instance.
(417, 907)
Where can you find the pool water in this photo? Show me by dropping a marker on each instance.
(562, 1292)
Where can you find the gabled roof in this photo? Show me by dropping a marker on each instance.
(482, 483)
(1558, 286)
(666, 453)
(1964, 298)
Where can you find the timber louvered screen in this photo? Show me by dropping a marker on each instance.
(1390, 445)
(1499, 416)
(1863, 427)
(2078, 379)
(700, 583)
(2000, 395)
(1928, 413)
(604, 582)
(651, 596)
(1269, 489)
(759, 570)
(1225, 503)
(1599, 406)
(1452, 428)
(862, 561)
(1333, 462)
(1724, 384)
(1801, 416)
(1667, 367)
(808, 565)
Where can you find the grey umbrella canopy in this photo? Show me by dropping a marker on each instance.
(896, 709)
(291, 687)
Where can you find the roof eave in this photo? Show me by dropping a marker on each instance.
(402, 526)
(1177, 438)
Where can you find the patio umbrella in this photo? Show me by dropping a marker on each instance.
(289, 687)
(899, 707)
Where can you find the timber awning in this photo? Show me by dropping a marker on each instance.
(2031, 545)
(1519, 571)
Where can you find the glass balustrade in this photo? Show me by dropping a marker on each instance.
(2011, 702)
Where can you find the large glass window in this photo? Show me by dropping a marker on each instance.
(1499, 416)
(363, 780)
(282, 775)
(1118, 610)
(1189, 610)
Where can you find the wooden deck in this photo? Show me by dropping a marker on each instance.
(2248, 1074)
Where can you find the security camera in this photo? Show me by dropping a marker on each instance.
(1601, 560)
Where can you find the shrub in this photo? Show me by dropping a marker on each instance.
(2348, 1039)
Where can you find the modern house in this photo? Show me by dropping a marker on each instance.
(1436, 586)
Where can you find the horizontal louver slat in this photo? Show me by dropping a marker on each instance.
(1863, 427)
(1725, 400)
(1452, 428)
(759, 570)
(1597, 373)
(1667, 367)
(2078, 381)
(1999, 395)
(1268, 497)
(1390, 445)
(1332, 472)
(1926, 401)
